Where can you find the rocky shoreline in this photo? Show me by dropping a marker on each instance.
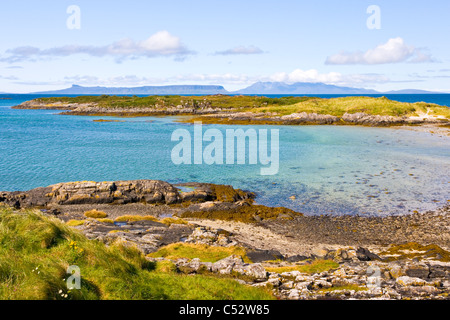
(303, 118)
(396, 257)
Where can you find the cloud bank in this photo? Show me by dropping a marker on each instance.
(335, 78)
(159, 44)
(395, 50)
(240, 50)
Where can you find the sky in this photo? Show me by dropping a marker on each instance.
(381, 45)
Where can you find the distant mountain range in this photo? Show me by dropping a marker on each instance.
(301, 88)
(257, 88)
(150, 90)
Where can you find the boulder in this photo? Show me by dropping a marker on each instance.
(410, 281)
(364, 254)
(417, 270)
(226, 265)
(235, 263)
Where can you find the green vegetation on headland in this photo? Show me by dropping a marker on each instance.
(36, 250)
(214, 101)
(259, 109)
(373, 106)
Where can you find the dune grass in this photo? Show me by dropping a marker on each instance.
(369, 105)
(36, 250)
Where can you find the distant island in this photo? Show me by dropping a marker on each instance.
(256, 88)
(150, 90)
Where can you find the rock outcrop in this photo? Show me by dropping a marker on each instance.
(122, 192)
(90, 192)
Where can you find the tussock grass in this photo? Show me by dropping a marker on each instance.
(36, 250)
(128, 218)
(105, 220)
(75, 223)
(94, 213)
(204, 252)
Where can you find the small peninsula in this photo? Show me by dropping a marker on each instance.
(242, 109)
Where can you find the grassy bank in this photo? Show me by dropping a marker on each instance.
(369, 105)
(36, 250)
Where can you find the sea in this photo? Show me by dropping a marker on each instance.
(323, 170)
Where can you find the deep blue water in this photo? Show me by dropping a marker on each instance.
(329, 169)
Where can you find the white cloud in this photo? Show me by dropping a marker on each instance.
(240, 50)
(395, 50)
(335, 78)
(159, 44)
(213, 78)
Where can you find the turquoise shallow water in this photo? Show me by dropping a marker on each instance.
(329, 170)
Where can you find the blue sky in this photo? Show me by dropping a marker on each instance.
(230, 43)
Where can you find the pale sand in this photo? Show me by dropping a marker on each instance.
(429, 128)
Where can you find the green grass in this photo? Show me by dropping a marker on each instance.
(217, 101)
(204, 252)
(35, 251)
(316, 266)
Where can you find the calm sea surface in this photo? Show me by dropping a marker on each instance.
(329, 169)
